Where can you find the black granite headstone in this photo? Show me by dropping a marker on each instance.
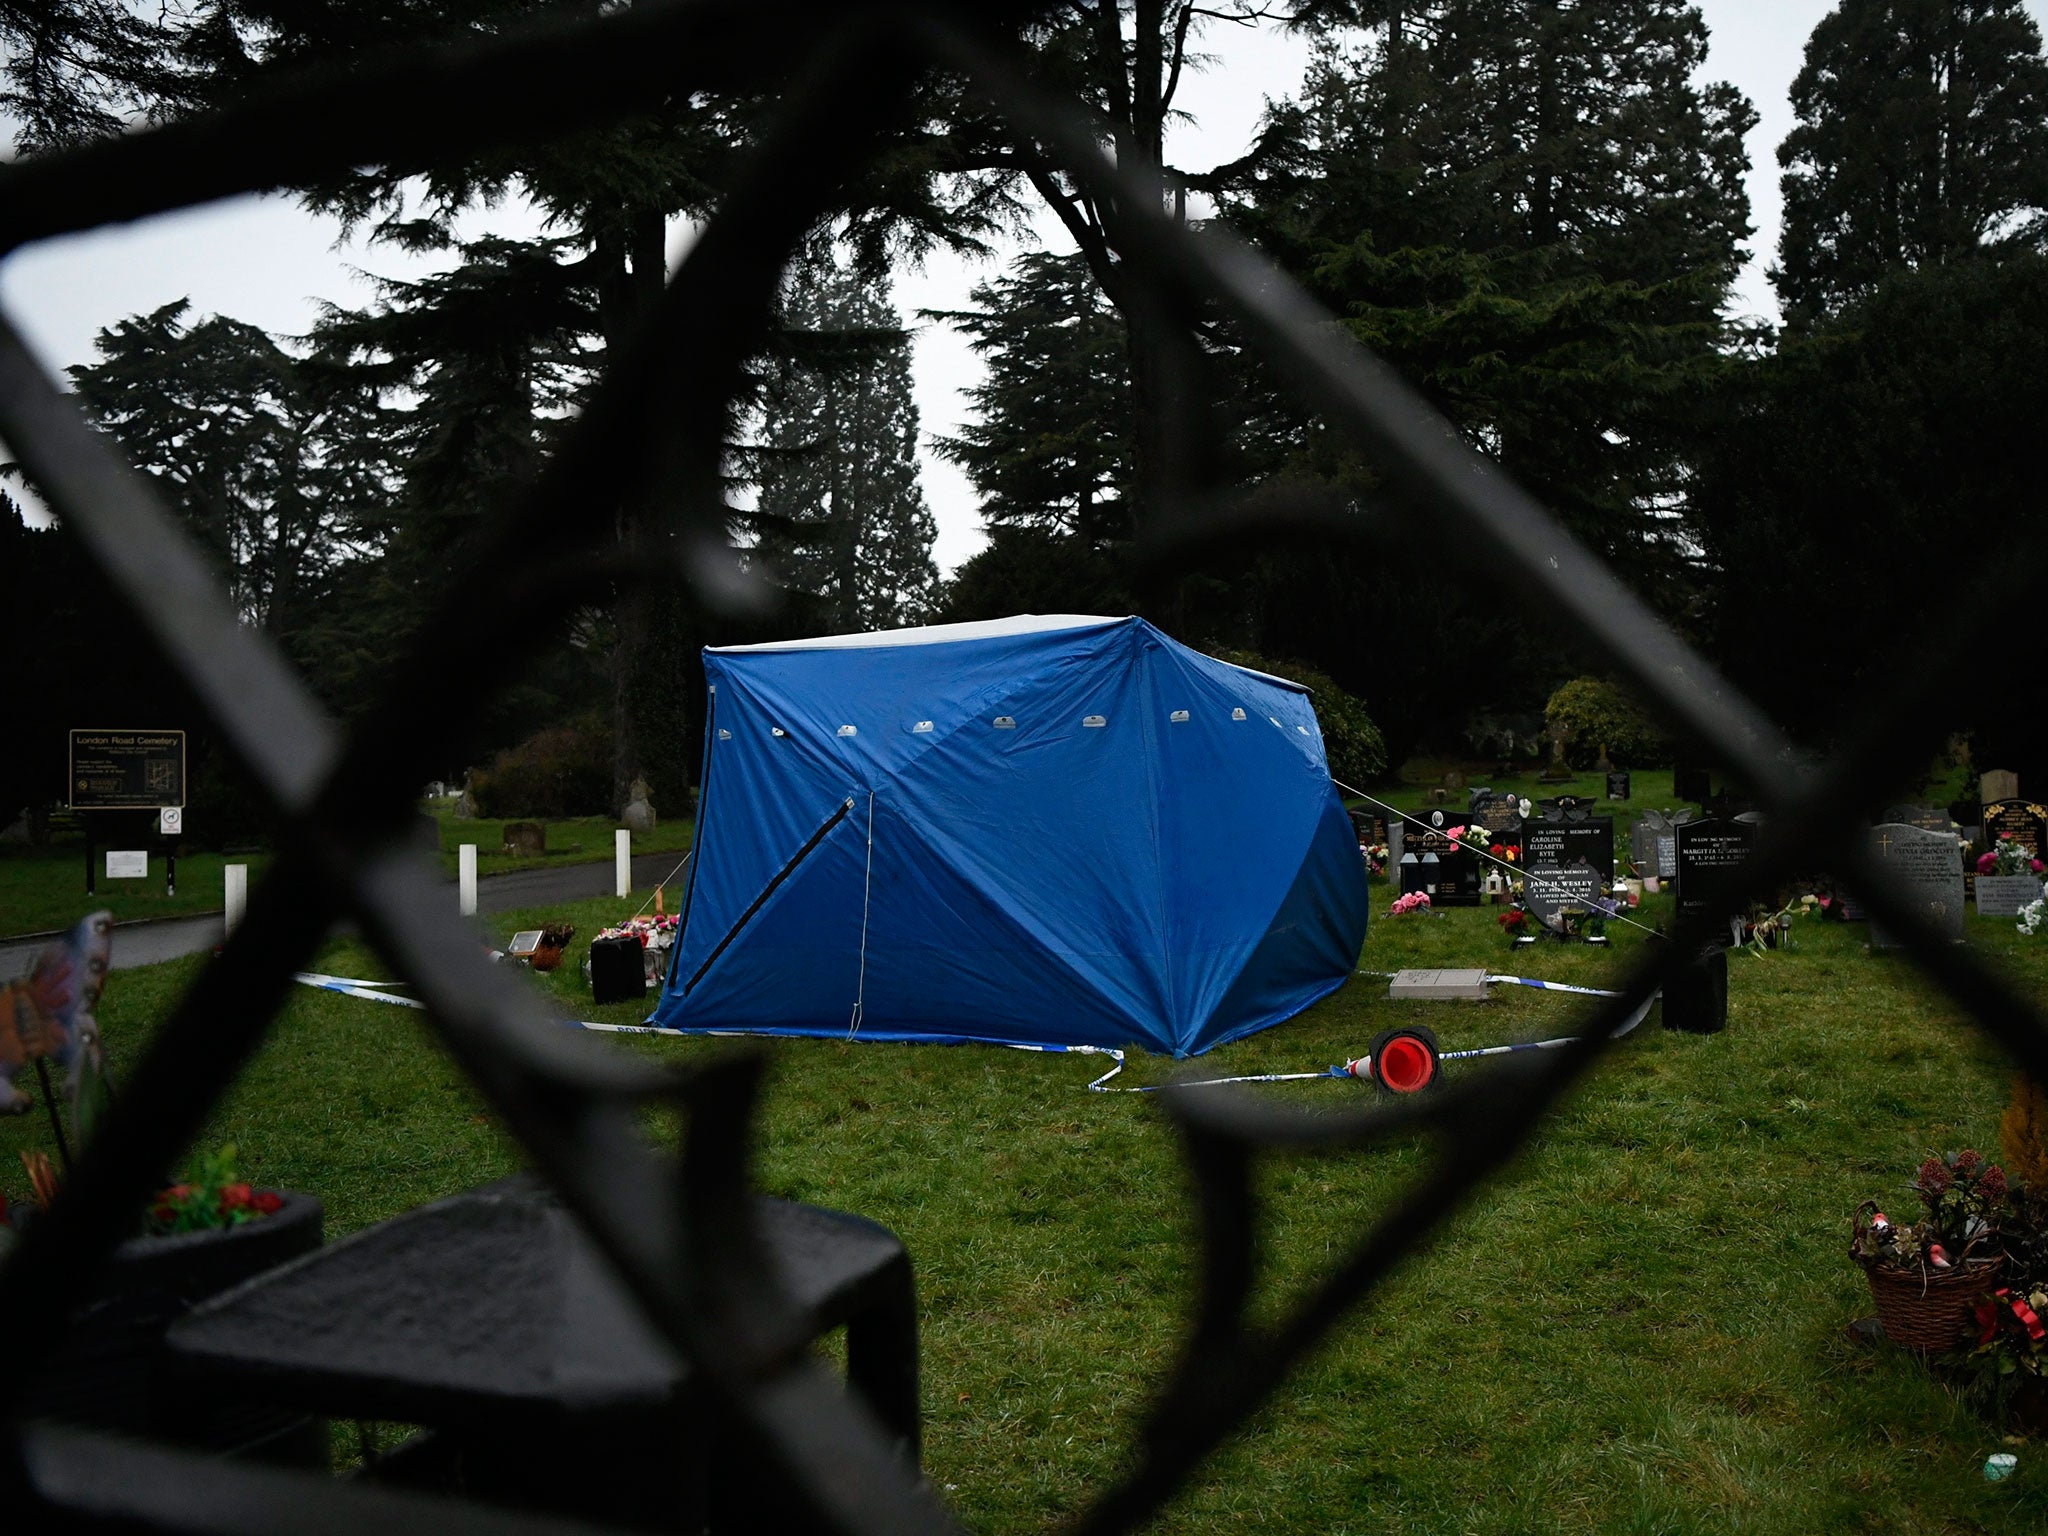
(2024, 820)
(1499, 814)
(1707, 851)
(1925, 869)
(1449, 870)
(1931, 818)
(1694, 784)
(1561, 844)
(1617, 786)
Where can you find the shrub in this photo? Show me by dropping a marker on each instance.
(2023, 1135)
(1353, 744)
(1597, 713)
(563, 771)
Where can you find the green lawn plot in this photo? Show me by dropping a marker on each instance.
(43, 889)
(574, 840)
(1637, 1328)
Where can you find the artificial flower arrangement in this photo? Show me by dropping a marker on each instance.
(656, 932)
(1414, 901)
(2009, 856)
(1764, 929)
(2033, 916)
(1375, 856)
(211, 1197)
(1961, 1197)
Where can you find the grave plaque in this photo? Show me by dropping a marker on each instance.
(1653, 846)
(1925, 870)
(1548, 889)
(2006, 895)
(1706, 852)
(1562, 844)
(128, 864)
(2024, 820)
(1617, 786)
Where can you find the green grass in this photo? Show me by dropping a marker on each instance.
(574, 840)
(42, 889)
(1638, 1329)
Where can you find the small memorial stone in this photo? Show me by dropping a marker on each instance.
(1501, 815)
(1617, 786)
(2006, 895)
(1707, 851)
(526, 839)
(1925, 870)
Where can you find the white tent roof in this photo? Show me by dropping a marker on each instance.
(933, 634)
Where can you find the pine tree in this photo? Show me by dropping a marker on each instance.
(1922, 138)
(1051, 443)
(840, 515)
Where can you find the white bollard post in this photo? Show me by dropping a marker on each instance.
(237, 902)
(466, 877)
(622, 844)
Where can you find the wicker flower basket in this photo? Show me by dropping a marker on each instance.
(1922, 1308)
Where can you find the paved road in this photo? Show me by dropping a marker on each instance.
(147, 943)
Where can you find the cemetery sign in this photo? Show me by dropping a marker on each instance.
(126, 770)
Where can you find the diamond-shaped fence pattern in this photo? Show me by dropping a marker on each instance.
(679, 1229)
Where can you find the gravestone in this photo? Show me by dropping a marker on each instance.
(1555, 771)
(1567, 807)
(1397, 838)
(1707, 851)
(2006, 895)
(1561, 844)
(1694, 784)
(638, 816)
(1451, 874)
(1547, 889)
(526, 839)
(1999, 784)
(1968, 815)
(1929, 818)
(1501, 815)
(1617, 786)
(1653, 846)
(1925, 870)
(2026, 821)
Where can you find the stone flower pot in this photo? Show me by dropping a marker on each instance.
(105, 1372)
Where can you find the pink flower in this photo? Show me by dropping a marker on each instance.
(1986, 863)
(2037, 866)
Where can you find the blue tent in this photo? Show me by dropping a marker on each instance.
(1046, 830)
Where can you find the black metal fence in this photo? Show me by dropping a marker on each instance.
(678, 1230)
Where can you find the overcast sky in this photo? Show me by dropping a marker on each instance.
(263, 261)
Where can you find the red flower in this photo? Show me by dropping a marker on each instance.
(235, 1197)
(1513, 921)
(266, 1202)
(1987, 1319)
(1968, 1162)
(1986, 863)
(167, 1203)
(1933, 1177)
(1993, 1183)
(2028, 1316)
(1496, 850)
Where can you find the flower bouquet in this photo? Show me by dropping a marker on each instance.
(1414, 901)
(1926, 1278)
(2009, 856)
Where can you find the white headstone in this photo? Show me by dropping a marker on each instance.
(622, 854)
(236, 895)
(466, 877)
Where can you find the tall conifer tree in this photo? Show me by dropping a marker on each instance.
(1922, 138)
(840, 515)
